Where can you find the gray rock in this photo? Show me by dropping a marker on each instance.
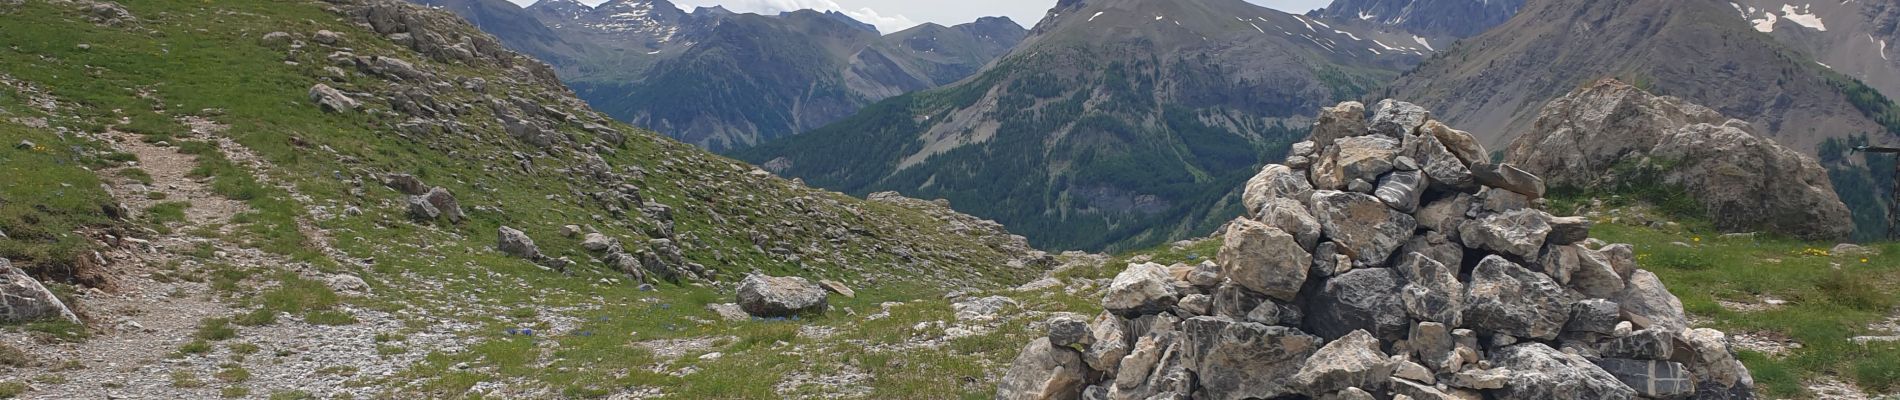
(1742, 178)
(1364, 157)
(1156, 368)
(1276, 313)
(1140, 289)
(1597, 316)
(1432, 291)
(1043, 372)
(1405, 163)
(23, 299)
(1519, 233)
(1108, 342)
(1569, 230)
(331, 100)
(1483, 379)
(1069, 328)
(1291, 216)
(420, 209)
(1446, 171)
(1506, 298)
(1365, 228)
(1558, 262)
(515, 243)
(1461, 144)
(838, 287)
(1420, 391)
(1432, 343)
(774, 297)
(406, 183)
(1495, 200)
(728, 311)
(327, 37)
(1364, 299)
(1347, 119)
(1718, 374)
(1401, 190)
(1595, 276)
(1398, 119)
(1194, 305)
(1352, 361)
(1233, 301)
(445, 202)
(1274, 182)
(1243, 360)
(1651, 379)
(1264, 259)
(1650, 305)
(981, 308)
(1349, 394)
(1647, 344)
(1509, 177)
(1542, 373)
(596, 242)
(1327, 261)
(1361, 186)
(1435, 246)
(1445, 215)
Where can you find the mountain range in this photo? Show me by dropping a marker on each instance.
(1117, 122)
(726, 80)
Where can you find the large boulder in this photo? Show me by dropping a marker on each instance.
(23, 299)
(1706, 353)
(1651, 379)
(1274, 182)
(1508, 299)
(1291, 216)
(777, 297)
(1518, 233)
(1347, 119)
(1363, 299)
(1155, 368)
(1245, 360)
(1650, 305)
(1365, 228)
(1398, 119)
(1044, 372)
(1353, 361)
(515, 243)
(1543, 373)
(1264, 259)
(1432, 291)
(331, 100)
(1141, 289)
(1742, 179)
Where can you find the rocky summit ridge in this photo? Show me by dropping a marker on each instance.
(1385, 260)
(1610, 134)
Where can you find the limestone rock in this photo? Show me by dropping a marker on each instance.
(23, 299)
(1519, 233)
(1347, 119)
(1243, 360)
(1291, 216)
(838, 287)
(1351, 361)
(1068, 328)
(1043, 372)
(1398, 119)
(1365, 228)
(773, 297)
(515, 243)
(445, 202)
(596, 242)
(1651, 379)
(1432, 291)
(1510, 177)
(1718, 374)
(1597, 316)
(1264, 259)
(1364, 299)
(1744, 180)
(1542, 373)
(1140, 289)
(1108, 342)
(331, 100)
(1401, 190)
(1506, 298)
(1274, 182)
(1650, 305)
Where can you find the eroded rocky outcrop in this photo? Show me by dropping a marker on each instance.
(1443, 281)
(1611, 133)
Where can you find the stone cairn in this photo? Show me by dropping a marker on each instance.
(1388, 259)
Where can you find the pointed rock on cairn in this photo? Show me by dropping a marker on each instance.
(1388, 260)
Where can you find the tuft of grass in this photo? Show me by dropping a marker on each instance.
(14, 357)
(233, 373)
(330, 318)
(292, 395)
(59, 330)
(11, 389)
(195, 347)
(243, 348)
(136, 175)
(167, 212)
(232, 392)
(186, 379)
(216, 329)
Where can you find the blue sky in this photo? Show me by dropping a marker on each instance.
(895, 15)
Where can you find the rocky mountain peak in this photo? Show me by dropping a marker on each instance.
(1610, 135)
(1455, 18)
(1439, 281)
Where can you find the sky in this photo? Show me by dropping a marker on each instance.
(896, 15)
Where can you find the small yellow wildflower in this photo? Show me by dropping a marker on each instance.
(1697, 239)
